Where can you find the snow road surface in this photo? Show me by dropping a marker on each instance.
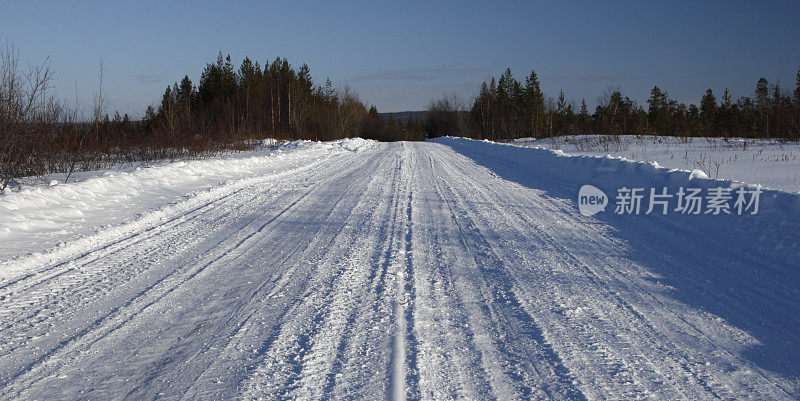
(449, 269)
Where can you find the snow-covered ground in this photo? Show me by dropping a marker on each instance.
(363, 270)
(773, 164)
(38, 216)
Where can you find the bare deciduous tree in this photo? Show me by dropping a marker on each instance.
(24, 104)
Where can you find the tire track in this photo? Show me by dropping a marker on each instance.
(320, 312)
(634, 349)
(533, 366)
(119, 316)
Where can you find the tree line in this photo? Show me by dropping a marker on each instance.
(228, 108)
(507, 108)
(230, 105)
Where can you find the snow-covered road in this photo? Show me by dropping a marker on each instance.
(436, 270)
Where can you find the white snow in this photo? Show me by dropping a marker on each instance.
(771, 163)
(449, 269)
(36, 218)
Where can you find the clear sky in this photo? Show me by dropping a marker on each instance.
(400, 55)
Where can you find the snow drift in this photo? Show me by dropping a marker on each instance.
(33, 220)
(772, 234)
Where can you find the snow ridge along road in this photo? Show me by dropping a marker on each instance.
(451, 269)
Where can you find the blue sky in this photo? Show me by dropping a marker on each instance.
(400, 55)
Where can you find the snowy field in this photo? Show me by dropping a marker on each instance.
(447, 269)
(773, 164)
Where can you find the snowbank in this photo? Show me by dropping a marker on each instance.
(771, 163)
(774, 232)
(35, 219)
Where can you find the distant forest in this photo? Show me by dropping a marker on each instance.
(229, 108)
(506, 108)
(229, 105)
(233, 107)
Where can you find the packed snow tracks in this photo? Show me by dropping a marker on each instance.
(397, 271)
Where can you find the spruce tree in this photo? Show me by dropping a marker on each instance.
(185, 93)
(534, 104)
(762, 105)
(584, 117)
(658, 112)
(708, 104)
(561, 103)
(708, 111)
(796, 95)
(584, 110)
(166, 102)
(725, 113)
(762, 94)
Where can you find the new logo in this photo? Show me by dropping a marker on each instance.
(591, 200)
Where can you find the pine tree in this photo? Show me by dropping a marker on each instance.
(584, 111)
(505, 86)
(166, 102)
(796, 95)
(149, 114)
(708, 111)
(658, 111)
(726, 99)
(328, 91)
(534, 104)
(483, 112)
(508, 96)
(185, 90)
(725, 113)
(656, 101)
(762, 94)
(583, 118)
(763, 105)
(708, 104)
(561, 103)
